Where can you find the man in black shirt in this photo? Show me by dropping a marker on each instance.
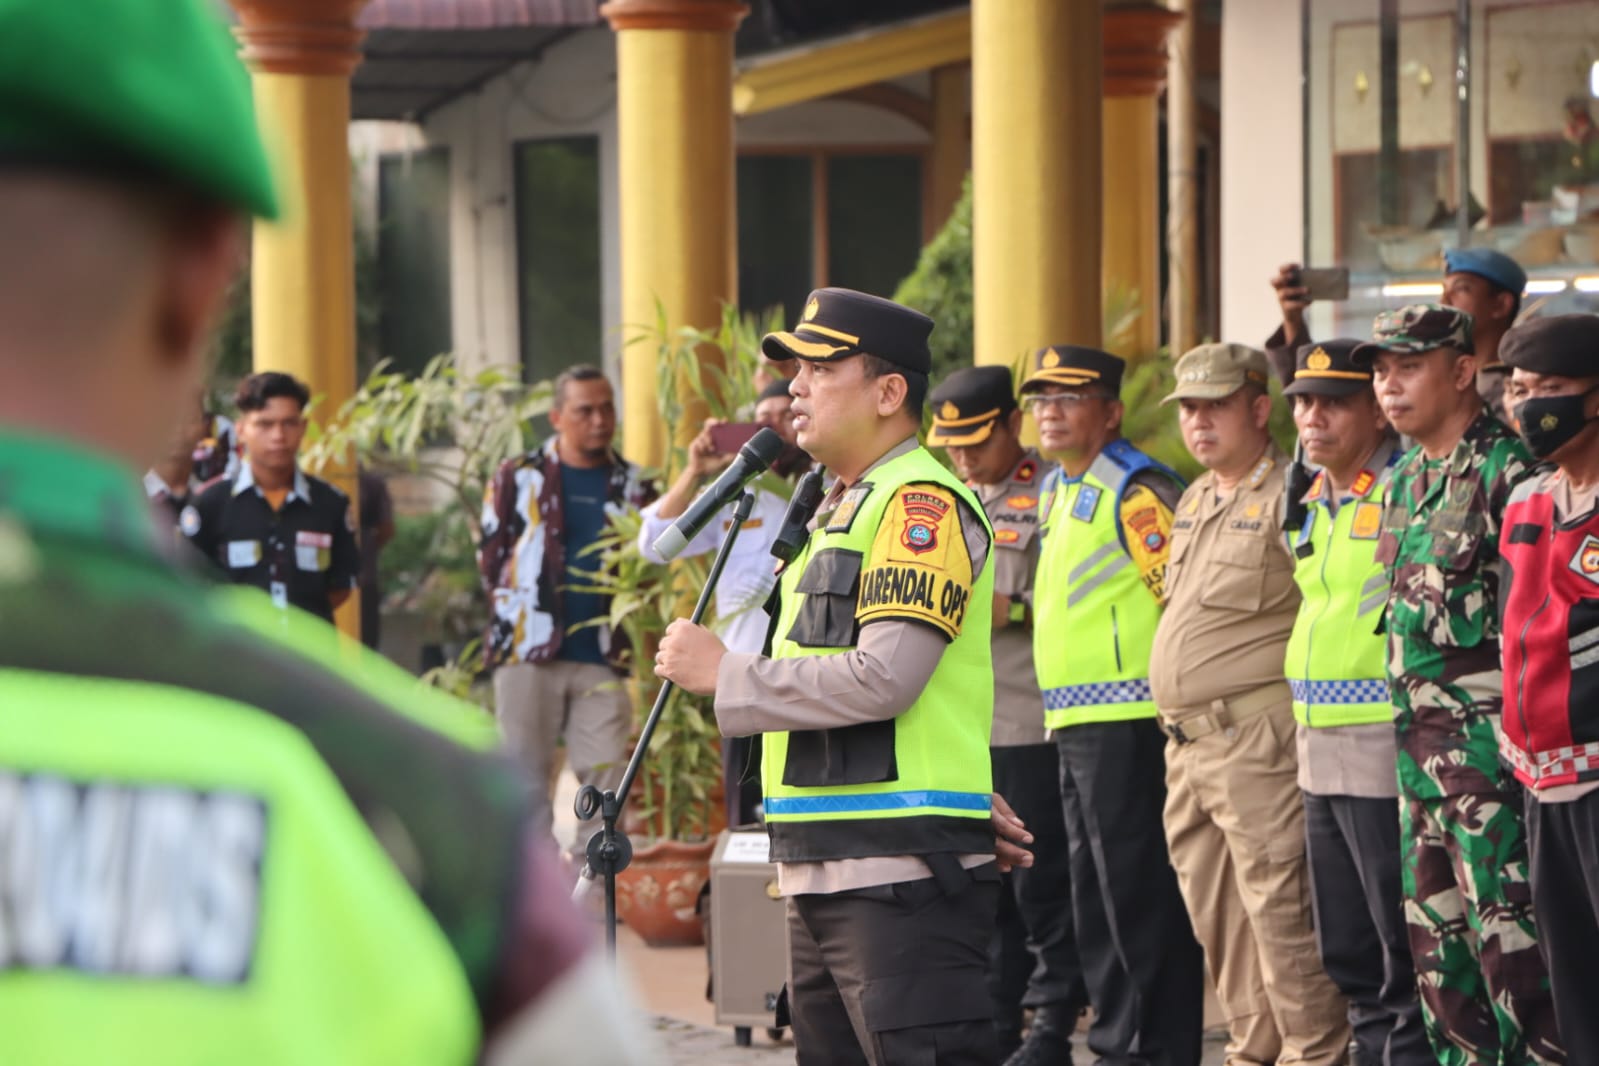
(274, 526)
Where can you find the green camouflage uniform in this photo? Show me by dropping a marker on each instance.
(1484, 988)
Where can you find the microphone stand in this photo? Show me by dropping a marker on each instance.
(609, 852)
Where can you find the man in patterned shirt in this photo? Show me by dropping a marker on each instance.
(554, 676)
(1484, 990)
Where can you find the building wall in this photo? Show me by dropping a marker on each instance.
(1260, 160)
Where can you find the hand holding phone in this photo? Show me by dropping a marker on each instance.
(1324, 283)
(728, 437)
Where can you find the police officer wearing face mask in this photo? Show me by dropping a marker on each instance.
(1550, 543)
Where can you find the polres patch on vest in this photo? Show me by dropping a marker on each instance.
(1585, 561)
(849, 505)
(1086, 504)
(146, 881)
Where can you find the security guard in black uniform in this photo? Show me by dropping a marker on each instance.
(274, 526)
(1034, 954)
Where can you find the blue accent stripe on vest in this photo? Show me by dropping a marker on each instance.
(877, 801)
(1097, 694)
(1339, 692)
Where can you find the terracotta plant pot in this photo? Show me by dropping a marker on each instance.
(656, 894)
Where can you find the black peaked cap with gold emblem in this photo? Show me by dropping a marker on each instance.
(1327, 369)
(1072, 364)
(967, 405)
(838, 323)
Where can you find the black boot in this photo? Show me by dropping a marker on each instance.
(1048, 1040)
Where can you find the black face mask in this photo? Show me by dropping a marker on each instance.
(1549, 422)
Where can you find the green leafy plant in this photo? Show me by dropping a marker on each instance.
(451, 430)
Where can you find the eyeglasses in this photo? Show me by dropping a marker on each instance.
(1060, 401)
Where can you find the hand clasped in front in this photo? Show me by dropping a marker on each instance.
(689, 657)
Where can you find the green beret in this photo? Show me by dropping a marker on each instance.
(141, 88)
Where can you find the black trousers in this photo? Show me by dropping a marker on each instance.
(1144, 969)
(1352, 846)
(1033, 957)
(1563, 839)
(893, 975)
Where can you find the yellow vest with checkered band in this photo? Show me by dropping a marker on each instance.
(1093, 618)
(1336, 661)
(918, 783)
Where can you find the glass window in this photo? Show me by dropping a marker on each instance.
(558, 254)
(1401, 168)
(775, 211)
(414, 257)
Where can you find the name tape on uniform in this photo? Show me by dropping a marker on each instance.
(150, 881)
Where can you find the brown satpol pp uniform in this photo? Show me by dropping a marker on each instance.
(1234, 819)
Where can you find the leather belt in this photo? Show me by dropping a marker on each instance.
(1187, 724)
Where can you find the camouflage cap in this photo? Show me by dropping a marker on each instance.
(1416, 328)
(1216, 371)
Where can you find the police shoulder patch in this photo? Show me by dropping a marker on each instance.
(919, 568)
(1585, 561)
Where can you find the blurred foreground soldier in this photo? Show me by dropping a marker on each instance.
(275, 527)
(1234, 819)
(1106, 539)
(1033, 957)
(1550, 541)
(1485, 284)
(1484, 992)
(875, 709)
(226, 838)
(1336, 673)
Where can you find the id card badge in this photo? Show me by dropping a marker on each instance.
(280, 594)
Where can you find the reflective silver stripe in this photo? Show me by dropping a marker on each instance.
(1105, 469)
(1373, 584)
(1078, 592)
(1092, 561)
(1582, 640)
(1371, 603)
(1587, 658)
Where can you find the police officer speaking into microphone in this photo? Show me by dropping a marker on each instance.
(874, 707)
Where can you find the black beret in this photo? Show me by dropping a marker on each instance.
(1567, 345)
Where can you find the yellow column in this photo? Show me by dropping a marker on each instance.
(302, 272)
(1182, 183)
(951, 145)
(674, 92)
(1036, 174)
(1135, 64)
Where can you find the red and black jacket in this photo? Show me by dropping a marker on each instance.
(1550, 627)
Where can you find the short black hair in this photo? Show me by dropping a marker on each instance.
(776, 389)
(255, 390)
(580, 372)
(916, 384)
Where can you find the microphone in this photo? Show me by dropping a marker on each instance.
(751, 460)
(795, 531)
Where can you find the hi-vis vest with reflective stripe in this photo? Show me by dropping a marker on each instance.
(1336, 662)
(1093, 618)
(916, 784)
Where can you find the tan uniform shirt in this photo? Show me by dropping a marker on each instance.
(1012, 507)
(1231, 597)
(1351, 760)
(878, 679)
